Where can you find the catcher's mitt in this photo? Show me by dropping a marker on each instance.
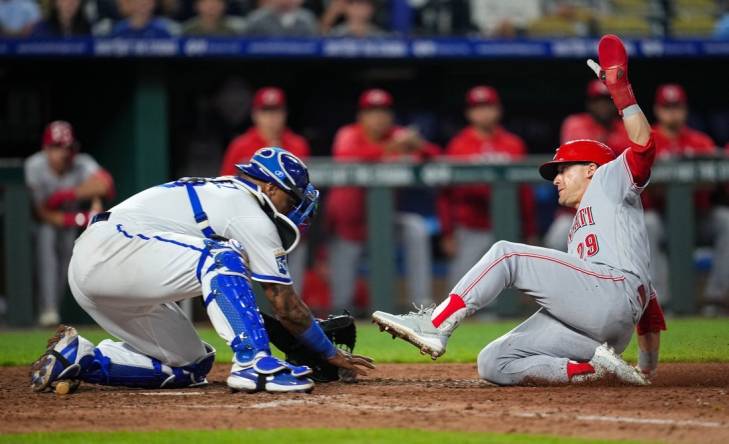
(341, 331)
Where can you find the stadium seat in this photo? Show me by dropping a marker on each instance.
(552, 27)
(693, 26)
(628, 26)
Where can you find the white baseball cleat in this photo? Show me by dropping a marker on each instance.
(606, 360)
(416, 328)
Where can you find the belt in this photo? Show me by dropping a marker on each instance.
(101, 217)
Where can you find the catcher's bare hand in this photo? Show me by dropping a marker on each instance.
(352, 362)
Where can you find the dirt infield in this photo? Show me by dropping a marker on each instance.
(689, 403)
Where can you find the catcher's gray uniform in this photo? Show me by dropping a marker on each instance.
(594, 293)
(54, 244)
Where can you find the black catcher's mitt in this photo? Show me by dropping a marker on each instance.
(341, 331)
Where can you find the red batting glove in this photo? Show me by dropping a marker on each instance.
(613, 71)
(74, 219)
(60, 197)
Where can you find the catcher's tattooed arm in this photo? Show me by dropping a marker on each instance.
(296, 317)
(289, 308)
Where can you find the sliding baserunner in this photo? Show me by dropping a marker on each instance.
(592, 297)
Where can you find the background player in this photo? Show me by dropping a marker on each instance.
(269, 129)
(373, 138)
(464, 210)
(676, 140)
(170, 243)
(595, 293)
(66, 187)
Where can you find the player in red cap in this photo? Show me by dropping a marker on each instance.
(269, 129)
(374, 138)
(675, 140)
(600, 122)
(66, 187)
(592, 297)
(464, 210)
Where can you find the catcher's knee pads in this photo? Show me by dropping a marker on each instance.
(115, 364)
(231, 303)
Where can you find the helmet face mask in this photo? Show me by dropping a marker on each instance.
(287, 172)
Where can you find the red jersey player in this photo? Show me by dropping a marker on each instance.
(464, 210)
(675, 140)
(375, 138)
(269, 129)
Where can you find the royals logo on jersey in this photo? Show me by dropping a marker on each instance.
(283, 265)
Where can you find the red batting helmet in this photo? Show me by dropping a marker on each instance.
(577, 151)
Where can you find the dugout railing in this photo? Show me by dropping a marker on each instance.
(381, 180)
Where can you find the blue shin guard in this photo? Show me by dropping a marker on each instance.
(231, 303)
(231, 306)
(72, 357)
(115, 364)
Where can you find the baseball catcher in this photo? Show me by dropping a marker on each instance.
(193, 236)
(592, 297)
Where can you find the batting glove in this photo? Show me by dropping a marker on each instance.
(613, 70)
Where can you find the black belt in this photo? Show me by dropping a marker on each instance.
(101, 217)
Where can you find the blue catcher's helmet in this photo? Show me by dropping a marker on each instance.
(286, 171)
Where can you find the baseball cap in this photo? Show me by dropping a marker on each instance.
(269, 97)
(59, 133)
(482, 95)
(670, 94)
(375, 98)
(597, 89)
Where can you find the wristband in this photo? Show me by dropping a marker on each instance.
(75, 219)
(630, 110)
(315, 339)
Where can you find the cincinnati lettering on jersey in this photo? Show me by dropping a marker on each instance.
(583, 217)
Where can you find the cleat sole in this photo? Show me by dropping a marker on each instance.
(408, 336)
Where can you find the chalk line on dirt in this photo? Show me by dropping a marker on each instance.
(334, 402)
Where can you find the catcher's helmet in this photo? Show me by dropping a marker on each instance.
(577, 151)
(286, 171)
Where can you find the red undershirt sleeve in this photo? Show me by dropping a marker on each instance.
(640, 160)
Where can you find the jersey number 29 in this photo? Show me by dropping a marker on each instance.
(589, 246)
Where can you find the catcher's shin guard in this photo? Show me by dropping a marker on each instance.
(72, 357)
(116, 364)
(231, 303)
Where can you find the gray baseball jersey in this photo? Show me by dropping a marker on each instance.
(609, 226)
(43, 181)
(54, 244)
(587, 296)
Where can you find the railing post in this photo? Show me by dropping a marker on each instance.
(381, 247)
(18, 263)
(506, 226)
(680, 212)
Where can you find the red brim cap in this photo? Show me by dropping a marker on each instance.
(670, 94)
(597, 89)
(375, 98)
(59, 133)
(482, 95)
(269, 97)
